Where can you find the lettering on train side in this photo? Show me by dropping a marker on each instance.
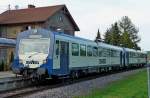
(102, 61)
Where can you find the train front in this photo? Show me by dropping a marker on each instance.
(33, 56)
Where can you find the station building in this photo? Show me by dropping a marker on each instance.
(55, 18)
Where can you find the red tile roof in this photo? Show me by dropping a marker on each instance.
(31, 15)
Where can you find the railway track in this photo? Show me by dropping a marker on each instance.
(50, 84)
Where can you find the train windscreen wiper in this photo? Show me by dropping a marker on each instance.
(34, 54)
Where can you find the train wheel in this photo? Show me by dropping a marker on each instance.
(74, 75)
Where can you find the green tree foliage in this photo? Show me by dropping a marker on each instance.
(107, 36)
(123, 33)
(115, 37)
(127, 26)
(125, 39)
(112, 35)
(98, 37)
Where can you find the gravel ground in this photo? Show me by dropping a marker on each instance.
(81, 88)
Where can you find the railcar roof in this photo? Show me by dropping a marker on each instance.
(110, 46)
(132, 50)
(87, 40)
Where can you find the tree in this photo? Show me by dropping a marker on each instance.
(98, 37)
(115, 38)
(112, 35)
(127, 26)
(107, 36)
(123, 33)
(126, 41)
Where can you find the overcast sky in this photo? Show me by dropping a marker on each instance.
(93, 14)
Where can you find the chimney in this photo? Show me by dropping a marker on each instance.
(16, 7)
(31, 6)
(9, 7)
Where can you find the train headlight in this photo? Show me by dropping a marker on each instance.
(20, 61)
(44, 61)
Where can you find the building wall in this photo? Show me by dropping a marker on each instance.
(60, 22)
(12, 31)
(3, 31)
(5, 56)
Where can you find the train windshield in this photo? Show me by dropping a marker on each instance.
(32, 46)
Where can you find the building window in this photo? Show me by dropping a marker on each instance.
(25, 28)
(60, 18)
(75, 49)
(1, 35)
(52, 28)
(3, 54)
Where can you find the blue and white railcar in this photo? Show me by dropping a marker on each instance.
(45, 53)
(134, 57)
(33, 52)
(83, 55)
(115, 54)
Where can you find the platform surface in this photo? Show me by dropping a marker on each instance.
(6, 74)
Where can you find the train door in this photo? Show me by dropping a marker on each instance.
(64, 57)
(56, 59)
(121, 58)
(127, 58)
(124, 59)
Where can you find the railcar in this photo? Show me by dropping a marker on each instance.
(135, 58)
(42, 53)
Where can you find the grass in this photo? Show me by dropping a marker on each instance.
(134, 86)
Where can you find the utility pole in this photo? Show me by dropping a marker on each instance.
(148, 77)
(9, 7)
(148, 72)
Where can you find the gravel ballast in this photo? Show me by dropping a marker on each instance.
(81, 88)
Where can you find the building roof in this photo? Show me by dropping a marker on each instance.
(32, 15)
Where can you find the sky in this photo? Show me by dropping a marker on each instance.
(91, 15)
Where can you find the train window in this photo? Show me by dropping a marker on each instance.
(115, 53)
(75, 49)
(100, 51)
(108, 52)
(130, 54)
(57, 47)
(104, 52)
(89, 51)
(82, 50)
(133, 55)
(111, 53)
(95, 51)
